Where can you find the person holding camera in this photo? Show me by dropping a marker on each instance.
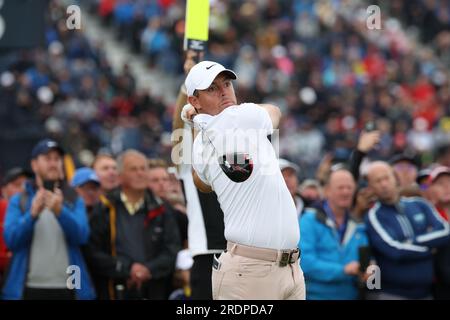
(44, 228)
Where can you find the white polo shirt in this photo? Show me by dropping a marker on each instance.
(260, 211)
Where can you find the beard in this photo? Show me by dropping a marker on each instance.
(49, 175)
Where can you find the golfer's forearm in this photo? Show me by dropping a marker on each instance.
(274, 114)
(203, 187)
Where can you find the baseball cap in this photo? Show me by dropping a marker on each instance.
(44, 146)
(284, 164)
(404, 157)
(307, 183)
(423, 175)
(438, 171)
(13, 174)
(83, 176)
(203, 74)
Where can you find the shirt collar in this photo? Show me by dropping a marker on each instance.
(132, 208)
(341, 229)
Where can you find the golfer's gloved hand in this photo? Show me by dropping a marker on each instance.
(188, 113)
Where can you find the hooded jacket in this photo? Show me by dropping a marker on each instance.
(324, 257)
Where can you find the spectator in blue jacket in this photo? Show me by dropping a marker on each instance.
(330, 241)
(403, 232)
(44, 229)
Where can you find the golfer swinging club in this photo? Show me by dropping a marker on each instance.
(233, 157)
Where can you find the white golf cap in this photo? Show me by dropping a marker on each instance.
(203, 74)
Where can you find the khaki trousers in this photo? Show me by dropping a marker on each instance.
(241, 278)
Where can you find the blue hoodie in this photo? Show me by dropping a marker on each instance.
(18, 233)
(402, 236)
(324, 257)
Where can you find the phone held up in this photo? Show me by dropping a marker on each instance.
(370, 126)
(50, 185)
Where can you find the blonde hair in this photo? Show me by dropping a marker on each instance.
(157, 163)
(101, 156)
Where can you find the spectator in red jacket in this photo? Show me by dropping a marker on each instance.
(13, 182)
(438, 194)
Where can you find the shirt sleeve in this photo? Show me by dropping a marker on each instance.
(198, 163)
(438, 229)
(255, 117)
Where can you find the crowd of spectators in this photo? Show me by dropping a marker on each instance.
(326, 71)
(330, 75)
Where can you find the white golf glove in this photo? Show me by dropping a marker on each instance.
(184, 115)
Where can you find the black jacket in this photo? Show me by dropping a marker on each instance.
(442, 270)
(162, 243)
